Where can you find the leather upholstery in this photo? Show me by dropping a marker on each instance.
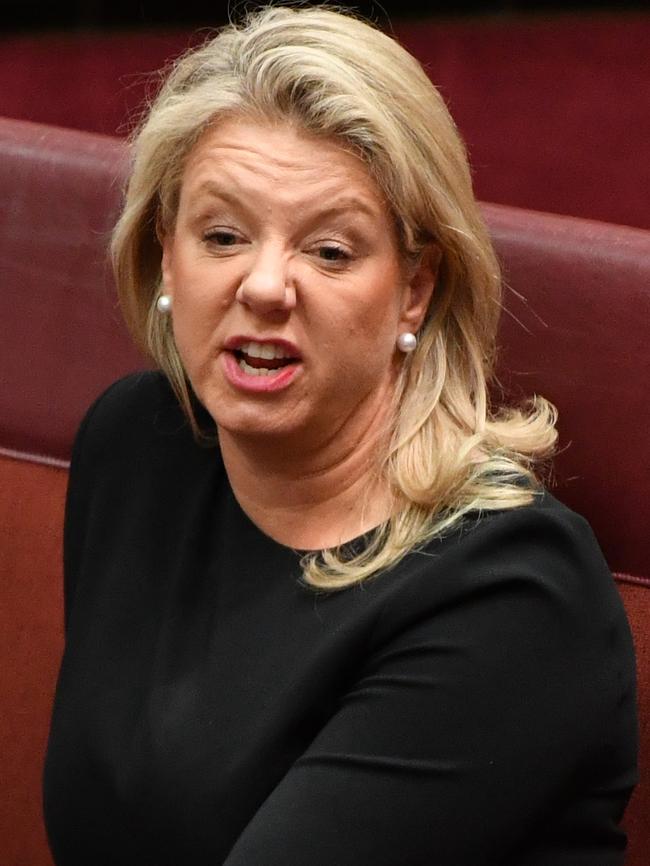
(575, 329)
(64, 338)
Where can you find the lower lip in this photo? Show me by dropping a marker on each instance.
(258, 384)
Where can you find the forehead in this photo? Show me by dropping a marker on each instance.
(292, 166)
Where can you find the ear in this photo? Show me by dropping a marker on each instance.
(419, 288)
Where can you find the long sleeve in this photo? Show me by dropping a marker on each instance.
(89, 448)
(76, 508)
(473, 706)
(473, 728)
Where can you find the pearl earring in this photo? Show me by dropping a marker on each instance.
(164, 303)
(406, 342)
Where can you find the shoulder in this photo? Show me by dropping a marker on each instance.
(525, 591)
(539, 563)
(133, 399)
(543, 540)
(136, 416)
(547, 555)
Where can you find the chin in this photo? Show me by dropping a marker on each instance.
(250, 421)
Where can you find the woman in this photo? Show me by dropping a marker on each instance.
(318, 607)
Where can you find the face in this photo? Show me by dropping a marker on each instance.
(287, 285)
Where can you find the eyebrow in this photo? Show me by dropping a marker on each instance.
(212, 189)
(343, 205)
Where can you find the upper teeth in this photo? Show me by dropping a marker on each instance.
(263, 350)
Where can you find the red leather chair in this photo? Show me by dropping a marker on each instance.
(575, 328)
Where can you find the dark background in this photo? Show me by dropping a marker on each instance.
(21, 15)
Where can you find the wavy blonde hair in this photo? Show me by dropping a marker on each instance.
(331, 74)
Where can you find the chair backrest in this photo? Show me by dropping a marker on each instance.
(575, 329)
(62, 339)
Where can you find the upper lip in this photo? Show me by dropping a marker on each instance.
(234, 343)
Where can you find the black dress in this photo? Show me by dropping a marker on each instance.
(474, 705)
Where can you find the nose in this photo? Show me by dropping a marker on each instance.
(266, 287)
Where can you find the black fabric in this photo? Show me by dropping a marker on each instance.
(473, 705)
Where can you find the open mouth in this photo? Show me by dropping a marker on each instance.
(263, 359)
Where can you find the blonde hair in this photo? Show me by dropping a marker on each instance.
(333, 75)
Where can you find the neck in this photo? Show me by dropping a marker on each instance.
(311, 499)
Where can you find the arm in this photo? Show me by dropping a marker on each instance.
(76, 507)
(106, 421)
(470, 727)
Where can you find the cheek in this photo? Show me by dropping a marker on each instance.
(203, 307)
(197, 314)
(362, 336)
(201, 291)
(379, 319)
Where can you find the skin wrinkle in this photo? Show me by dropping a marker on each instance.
(302, 462)
(344, 205)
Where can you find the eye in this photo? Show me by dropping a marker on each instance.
(221, 237)
(333, 253)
